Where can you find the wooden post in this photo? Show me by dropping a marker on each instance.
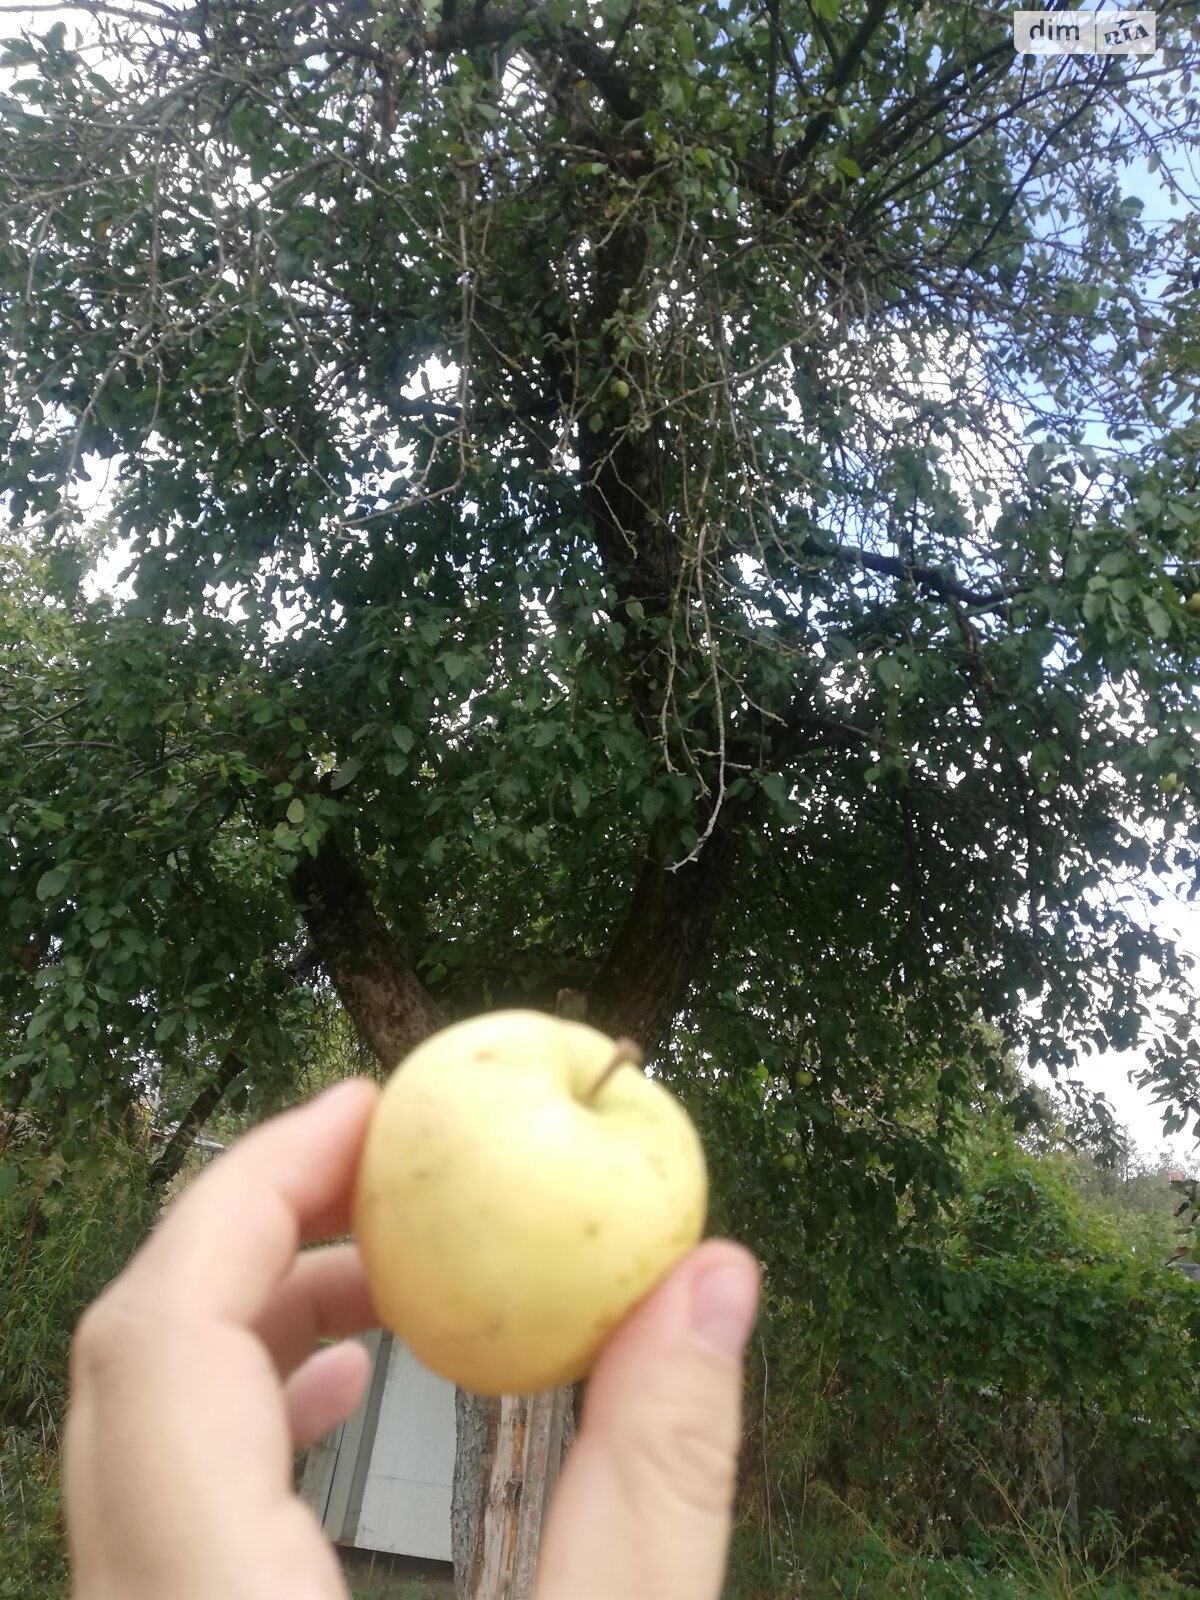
(543, 1457)
(525, 1439)
(518, 1453)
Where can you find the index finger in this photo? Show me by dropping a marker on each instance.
(229, 1241)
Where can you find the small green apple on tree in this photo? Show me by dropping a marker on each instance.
(522, 1188)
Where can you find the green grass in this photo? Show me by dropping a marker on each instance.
(387, 1589)
(835, 1554)
(834, 1561)
(32, 1554)
(391, 1578)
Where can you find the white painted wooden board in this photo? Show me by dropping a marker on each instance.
(406, 1497)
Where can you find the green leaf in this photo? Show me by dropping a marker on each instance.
(51, 884)
(346, 773)
(1157, 616)
(39, 1022)
(775, 787)
(653, 802)
(580, 795)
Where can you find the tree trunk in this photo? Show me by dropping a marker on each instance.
(171, 1157)
(645, 979)
(475, 1421)
(390, 1006)
(512, 1450)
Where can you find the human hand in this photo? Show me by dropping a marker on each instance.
(195, 1379)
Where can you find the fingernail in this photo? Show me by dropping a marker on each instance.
(724, 1304)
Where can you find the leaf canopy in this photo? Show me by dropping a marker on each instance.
(697, 504)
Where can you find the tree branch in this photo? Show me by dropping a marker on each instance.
(914, 114)
(772, 78)
(843, 70)
(940, 579)
(173, 1153)
(658, 948)
(540, 35)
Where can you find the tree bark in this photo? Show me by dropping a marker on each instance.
(171, 1157)
(545, 1435)
(489, 1573)
(649, 969)
(476, 1422)
(513, 1449)
(389, 1004)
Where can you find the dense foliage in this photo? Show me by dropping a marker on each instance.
(1016, 1374)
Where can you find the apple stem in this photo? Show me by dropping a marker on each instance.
(626, 1053)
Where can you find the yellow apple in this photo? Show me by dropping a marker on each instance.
(522, 1188)
(1192, 603)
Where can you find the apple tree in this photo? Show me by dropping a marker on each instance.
(691, 509)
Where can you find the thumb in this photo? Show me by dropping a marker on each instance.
(644, 1504)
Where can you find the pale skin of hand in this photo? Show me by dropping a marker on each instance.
(196, 1377)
